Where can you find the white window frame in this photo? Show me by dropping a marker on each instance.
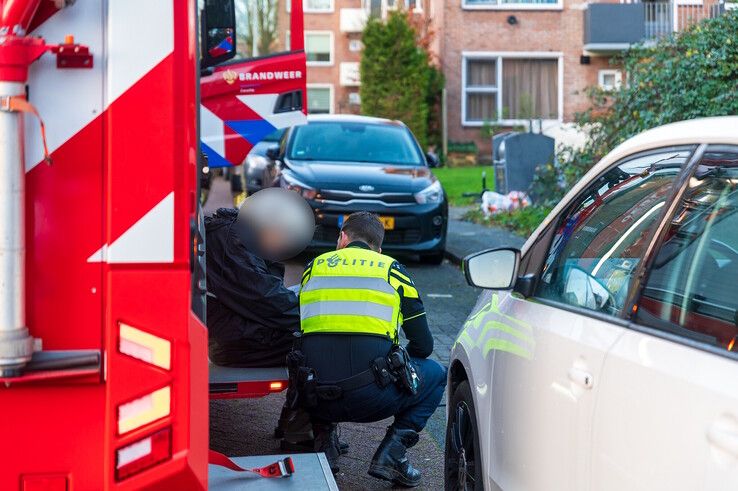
(306, 10)
(603, 73)
(355, 43)
(329, 10)
(559, 5)
(331, 90)
(332, 51)
(386, 8)
(499, 56)
(418, 9)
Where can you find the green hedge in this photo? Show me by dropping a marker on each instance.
(688, 75)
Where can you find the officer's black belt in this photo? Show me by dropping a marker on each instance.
(357, 381)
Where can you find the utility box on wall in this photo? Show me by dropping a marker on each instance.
(516, 156)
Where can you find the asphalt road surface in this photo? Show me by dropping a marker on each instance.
(245, 427)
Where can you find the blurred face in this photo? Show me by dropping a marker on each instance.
(278, 222)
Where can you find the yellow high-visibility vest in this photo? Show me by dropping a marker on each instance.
(349, 291)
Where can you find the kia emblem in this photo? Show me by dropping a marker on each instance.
(366, 188)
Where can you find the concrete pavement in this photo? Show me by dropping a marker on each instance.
(465, 238)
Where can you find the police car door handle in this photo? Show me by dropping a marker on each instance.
(581, 377)
(723, 434)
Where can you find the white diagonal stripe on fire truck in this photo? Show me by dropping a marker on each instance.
(149, 240)
(67, 100)
(140, 34)
(264, 104)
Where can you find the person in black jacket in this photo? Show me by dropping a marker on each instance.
(251, 314)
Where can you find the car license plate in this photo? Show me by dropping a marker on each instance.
(387, 222)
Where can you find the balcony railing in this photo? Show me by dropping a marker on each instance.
(663, 18)
(611, 27)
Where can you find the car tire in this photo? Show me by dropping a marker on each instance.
(435, 258)
(463, 468)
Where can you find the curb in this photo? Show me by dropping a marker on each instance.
(453, 257)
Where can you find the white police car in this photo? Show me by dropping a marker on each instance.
(603, 354)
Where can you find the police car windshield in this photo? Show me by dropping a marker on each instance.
(355, 142)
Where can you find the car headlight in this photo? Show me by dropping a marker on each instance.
(431, 194)
(289, 182)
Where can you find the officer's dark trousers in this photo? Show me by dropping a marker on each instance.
(372, 403)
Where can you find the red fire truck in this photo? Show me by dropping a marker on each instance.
(103, 348)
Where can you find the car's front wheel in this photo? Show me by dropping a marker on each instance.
(463, 459)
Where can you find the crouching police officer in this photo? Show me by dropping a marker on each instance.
(348, 367)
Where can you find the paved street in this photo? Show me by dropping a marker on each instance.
(243, 427)
(246, 426)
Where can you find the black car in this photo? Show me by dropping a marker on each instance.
(341, 164)
(258, 169)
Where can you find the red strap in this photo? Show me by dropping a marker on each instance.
(280, 468)
(218, 458)
(18, 103)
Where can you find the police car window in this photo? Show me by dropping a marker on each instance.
(692, 288)
(262, 28)
(599, 242)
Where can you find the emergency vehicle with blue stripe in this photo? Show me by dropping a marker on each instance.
(103, 350)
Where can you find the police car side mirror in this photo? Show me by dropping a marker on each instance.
(493, 269)
(218, 32)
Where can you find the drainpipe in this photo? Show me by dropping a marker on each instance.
(444, 123)
(17, 52)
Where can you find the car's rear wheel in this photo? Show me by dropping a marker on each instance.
(434, 258)
(463, 459)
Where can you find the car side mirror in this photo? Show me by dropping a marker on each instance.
(584, 290)
(218, 32)
(432, 159)
(494, 269)
(272, 153)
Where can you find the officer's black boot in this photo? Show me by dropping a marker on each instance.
(326, 441)
(294, 425)
(389, 461)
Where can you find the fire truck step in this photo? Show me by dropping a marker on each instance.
(311, 472)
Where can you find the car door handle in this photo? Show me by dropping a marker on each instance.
(724, 435)
(581, 377)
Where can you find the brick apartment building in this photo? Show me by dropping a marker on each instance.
(333, 45)
(506, 62)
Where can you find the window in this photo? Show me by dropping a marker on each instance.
(380, 8)
(268, 30)
(692, 288)
(317, 6)
(319, 48)
(599, 243)
(500, 88)
(609, 79)
(512, 4)
(320, 98)
(312, 6)
(354, 98)
(349, 74)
